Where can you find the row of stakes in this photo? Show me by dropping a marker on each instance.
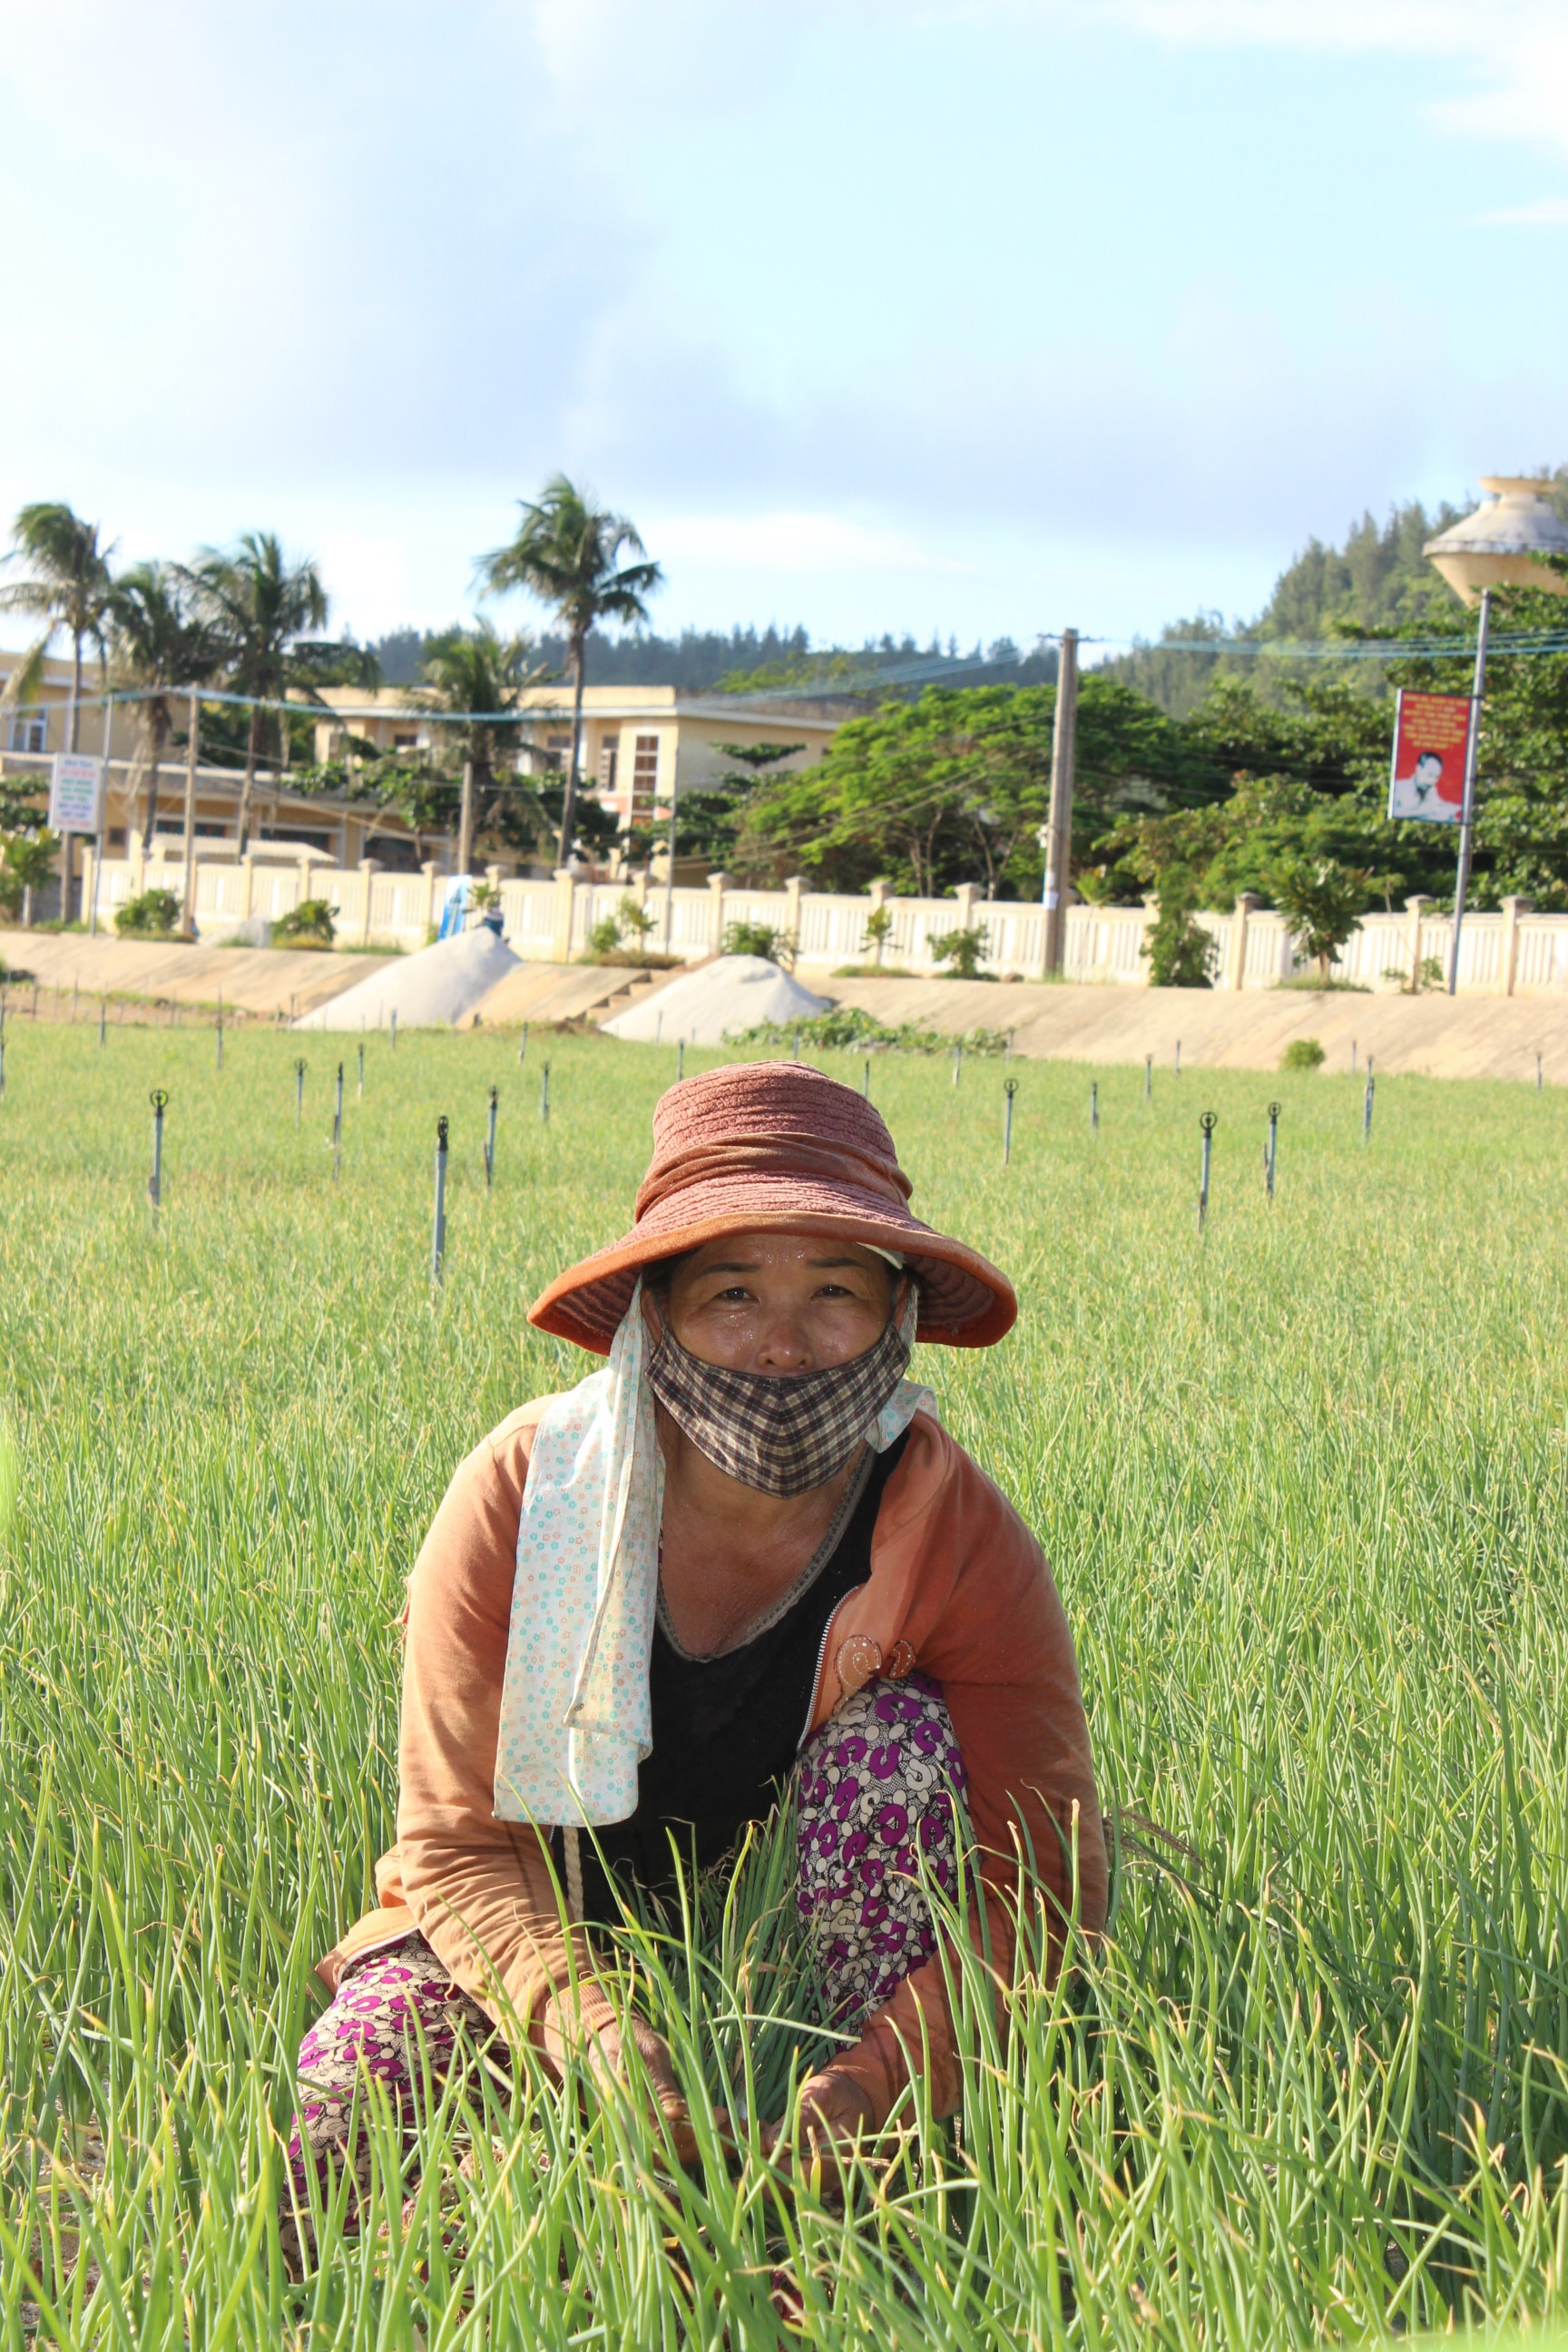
(1208, 1122)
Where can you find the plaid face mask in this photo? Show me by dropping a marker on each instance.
(780, 1433)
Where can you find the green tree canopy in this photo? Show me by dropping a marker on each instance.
(68, 588)
(567, 552)
(955, 786)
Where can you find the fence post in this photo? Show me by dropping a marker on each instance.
(1414, 910)
(247, 885)
(1512, 910)
(370, 867)
(306, 878)
(431, 871)
(717, 886)
(1245, 908)
(495, 876)
(793, 885)
(565, 912)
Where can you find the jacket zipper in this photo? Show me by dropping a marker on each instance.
(821, 1653)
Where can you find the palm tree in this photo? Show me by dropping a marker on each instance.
(158, 646)
(70, 589)
(567, 554)
(260, 606)
(472, 671)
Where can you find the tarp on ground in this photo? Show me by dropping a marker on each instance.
(427, 990)
(720, 1000)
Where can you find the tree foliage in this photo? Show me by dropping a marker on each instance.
(567, 554)
(68, 588)
(954, 787)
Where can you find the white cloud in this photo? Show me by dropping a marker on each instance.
(1516, 49)
(1547, 211)
(788, 542)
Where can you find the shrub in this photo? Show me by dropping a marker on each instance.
(26, 859)
(307, 925)
(619, 939)
(1181, 953)
(1321, 903)
(1302, 1053)
(964, 949)
(847, 1026)
(760, 939)
(155, 915)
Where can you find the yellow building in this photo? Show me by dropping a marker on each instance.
(639, 742)
(282, 820)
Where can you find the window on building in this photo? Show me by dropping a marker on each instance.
(405, 743)
(645, 777)
(609, 760)
(29, 731)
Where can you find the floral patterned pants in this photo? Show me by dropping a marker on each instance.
(874, 1811)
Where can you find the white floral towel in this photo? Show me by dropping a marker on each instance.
(575, 1718)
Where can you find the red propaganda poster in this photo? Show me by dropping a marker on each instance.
(1431, 737)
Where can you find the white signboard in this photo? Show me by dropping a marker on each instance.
(75, 793)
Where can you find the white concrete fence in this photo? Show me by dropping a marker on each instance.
(1515, 953)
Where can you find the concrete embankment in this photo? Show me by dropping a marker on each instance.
(1444, 1037)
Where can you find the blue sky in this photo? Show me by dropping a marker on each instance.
(981, 317)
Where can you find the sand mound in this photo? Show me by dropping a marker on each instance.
(731, 994)
(425, 991)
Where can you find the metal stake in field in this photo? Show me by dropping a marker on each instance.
(681, 1058)
(522, 1046)
(394, 1028)
(1538, 1069)
(544, 1095)
(1352, 1058)
(299, 1089)
(1148, 1077)
(438, 1234)
(1094, 1107)
(160, 1101)
(1208, 1122)
(362, 1073)
(1010, 1089)
(1009, 1045)
(866, 1088)
(1178, 1057)
(1270, 1147)
(220, 1029)
(957, 1059)
(1366, 1112)
(102, 1018)
(490, 1139)
(338, 1124)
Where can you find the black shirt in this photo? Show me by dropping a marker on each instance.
(726, 1730)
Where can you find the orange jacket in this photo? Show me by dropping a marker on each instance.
(958, 1587)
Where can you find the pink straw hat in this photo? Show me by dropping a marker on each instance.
(768, 1147)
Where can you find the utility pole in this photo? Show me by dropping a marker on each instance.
(466, 820)
(1468, 812)
(188, 915)
(1058, 830)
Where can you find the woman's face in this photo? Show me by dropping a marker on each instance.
(781, 1302)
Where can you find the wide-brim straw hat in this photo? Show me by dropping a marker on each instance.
(770, 1147)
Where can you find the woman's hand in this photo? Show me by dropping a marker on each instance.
(602, 2042)
(831, 2109)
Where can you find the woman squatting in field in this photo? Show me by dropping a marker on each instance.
(744, 1551)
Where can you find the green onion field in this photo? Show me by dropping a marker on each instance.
(1302, 1481)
